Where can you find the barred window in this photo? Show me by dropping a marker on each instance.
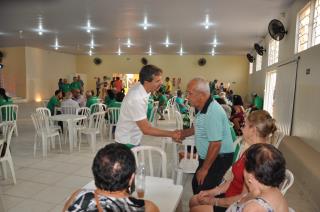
(303, 28)
(273, 52)
(258, 62)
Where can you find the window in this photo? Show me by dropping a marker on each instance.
(303, 28)
(250, 68)
(270, 85)
(308, 26)
(316, 24)
(273, 53)
(258, 62)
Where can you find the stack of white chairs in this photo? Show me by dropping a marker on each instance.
(172, 103)
(113, 117)
(5, 154)
(166, 110)
(140, 156)
(43, 130)
(9, 113)
(96, 120)
(153, 119)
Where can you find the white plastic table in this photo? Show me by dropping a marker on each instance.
(70, 119)
(161, 191)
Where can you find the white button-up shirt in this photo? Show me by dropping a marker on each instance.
(133, 108)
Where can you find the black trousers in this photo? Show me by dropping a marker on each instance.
(215, 173)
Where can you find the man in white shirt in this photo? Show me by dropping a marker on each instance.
(69, 103)
(133, 122)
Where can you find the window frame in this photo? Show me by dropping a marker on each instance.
(260, 62)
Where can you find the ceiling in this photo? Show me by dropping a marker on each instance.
(236, 25)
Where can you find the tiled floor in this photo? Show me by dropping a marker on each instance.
(44, 184)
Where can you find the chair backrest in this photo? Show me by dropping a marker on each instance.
(176, 107)
(191, 115)
(277, 138)
(69, 110)
(287, 183)
(96, 120)
(153, 117)
(9, 112)
(43, 110)
(113, 115)
(238, 147)
(40, 122)
(172, 101)
(139, 154)
(98, 107)
(8, 129)
(179, 120)
(189, 150)
(84, 111)
(45, 103)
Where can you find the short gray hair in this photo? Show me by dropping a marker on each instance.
(201, 85)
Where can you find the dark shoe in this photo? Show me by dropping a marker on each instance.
(162, 118)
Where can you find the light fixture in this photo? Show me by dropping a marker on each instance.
(92, 43)
(207, 22)
(145, 23)
(56, 44)
(214, 43)
(167, 42)
(212, 52)
(128, 43)
(119, 51)
(150, 51)
(90, 52)
(181, 52)
(88, 26)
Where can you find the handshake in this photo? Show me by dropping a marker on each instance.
(178, 136)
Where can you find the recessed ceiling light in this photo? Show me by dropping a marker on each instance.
(145, 23)
(119, 52)
(167, 42)
(88, 27)
(181, 52)
(90, 52)
(213, 52)
(150, 51)
(129, 44)
(214, 43)
(56, 45)
(207, 22)
(92, 44)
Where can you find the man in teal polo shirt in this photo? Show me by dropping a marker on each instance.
(54, 101)
(75, 84)
(257, 102)
(212, 137)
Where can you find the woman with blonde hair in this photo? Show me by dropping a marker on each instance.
(259, 126)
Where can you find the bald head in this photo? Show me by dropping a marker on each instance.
(198, 92)
(200, 85)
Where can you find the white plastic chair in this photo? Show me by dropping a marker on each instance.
(68, 110)
(166, 110)
(153, 119)
(191, 114)
(139, 154)
(46, 112)
(95, 122)
(172, 102)
(98, 107)
(277, 138)
(189, 163)
(82, 124)
(179, 120)
(113, 117)
(8, 129)
(43, 130)
(10, 113)
(287, 183)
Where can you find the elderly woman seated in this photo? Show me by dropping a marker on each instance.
(114, 173)
(263, 174)
(259, 126)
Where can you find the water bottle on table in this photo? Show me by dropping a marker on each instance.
(141, 181)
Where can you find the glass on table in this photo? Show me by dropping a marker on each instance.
(141, 181)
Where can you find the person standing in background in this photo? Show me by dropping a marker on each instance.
(98, 85)
(60, 83)
(168, 85)
(81, 84)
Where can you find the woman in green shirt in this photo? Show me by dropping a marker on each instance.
(4, 100)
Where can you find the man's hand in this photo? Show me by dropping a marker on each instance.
(206, 200)
(177, 136)
(201, 175)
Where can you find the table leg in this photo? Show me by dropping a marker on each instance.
(71, 134)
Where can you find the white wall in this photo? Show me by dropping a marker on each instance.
(43, 70)
(306, 120)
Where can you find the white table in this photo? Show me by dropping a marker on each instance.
(161, 191)
(70, 119)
